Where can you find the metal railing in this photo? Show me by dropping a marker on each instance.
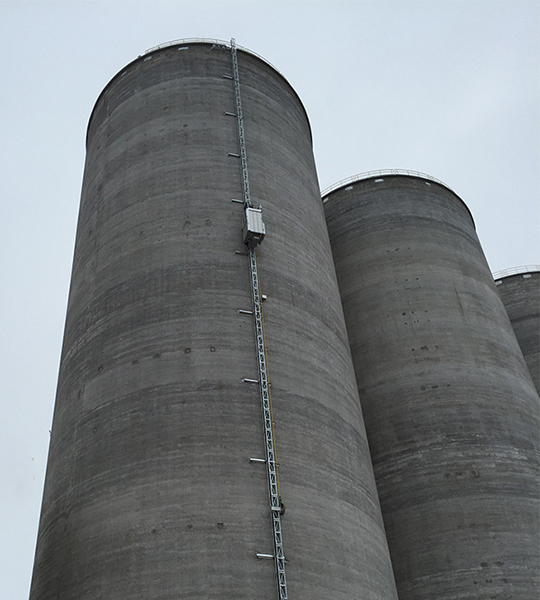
(224, 43)
(183, 41)
(515, 271)
(381, 173)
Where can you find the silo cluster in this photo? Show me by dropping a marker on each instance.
(265, 394)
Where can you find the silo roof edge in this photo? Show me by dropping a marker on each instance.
(392, 172)
(212, 41)
(511, 271)
(380, 173)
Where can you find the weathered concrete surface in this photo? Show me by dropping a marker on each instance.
(451, 413)
(149, 491)
(521, 298)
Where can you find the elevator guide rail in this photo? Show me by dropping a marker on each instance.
(276, 505)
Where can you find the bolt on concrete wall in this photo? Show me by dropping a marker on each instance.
(450, 410)
(149, 491)
(521, 297)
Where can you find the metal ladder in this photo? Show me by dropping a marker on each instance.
(276, 505)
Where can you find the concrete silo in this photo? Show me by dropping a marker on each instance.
(450, 410)
(520, 293)
(158, 477)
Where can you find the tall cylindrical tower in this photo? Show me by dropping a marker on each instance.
(157, 481)
(451, 412)
(520, 293)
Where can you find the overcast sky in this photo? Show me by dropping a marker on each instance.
(449, 88)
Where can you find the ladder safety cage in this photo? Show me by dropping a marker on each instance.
(254, 232)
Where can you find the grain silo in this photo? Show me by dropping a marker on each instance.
(450, 410)
(519, 289)
(161, 480)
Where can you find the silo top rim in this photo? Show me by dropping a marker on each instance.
(521, 270)
(380, 173)
(391, 172)
(210, 41)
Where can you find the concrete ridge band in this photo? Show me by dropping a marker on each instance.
(391, 173)
(202, 41)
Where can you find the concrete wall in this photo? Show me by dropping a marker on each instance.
(450, 410)
(149, 491)
(521, 298)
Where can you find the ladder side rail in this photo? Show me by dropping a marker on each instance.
(240, 122)
(275, 500)
(273, 484)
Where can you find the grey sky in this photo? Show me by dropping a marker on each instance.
(449, 88)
